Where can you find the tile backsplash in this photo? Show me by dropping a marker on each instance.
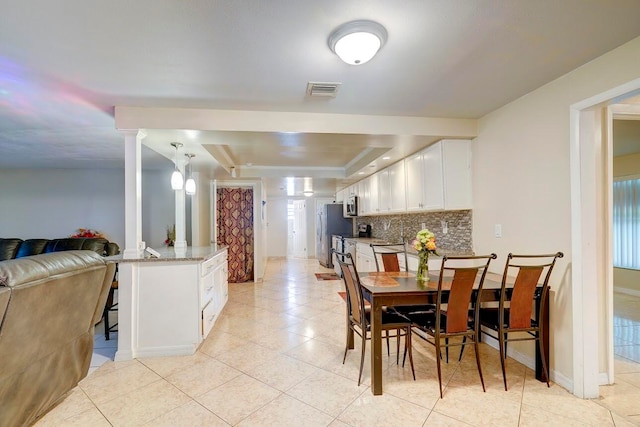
(393, 228)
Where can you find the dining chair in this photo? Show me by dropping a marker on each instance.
(456, 314)
(515, 313)
(389, 255)
(359, 318)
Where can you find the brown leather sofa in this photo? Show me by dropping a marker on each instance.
(18, 248)
(49, 304)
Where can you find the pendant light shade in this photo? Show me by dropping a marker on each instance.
(177, 179)
(356, 42)
(190, 184)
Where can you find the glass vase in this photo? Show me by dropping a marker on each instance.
(423, 267)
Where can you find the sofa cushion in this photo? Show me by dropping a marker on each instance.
(8, 248)
(31, 247)
(97, 245)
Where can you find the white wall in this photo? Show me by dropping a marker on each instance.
(54, 203)
(277, 230)
(521, 180)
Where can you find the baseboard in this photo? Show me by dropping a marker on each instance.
(178, 350)
(603, 379)
(627, 291)
(529, 362)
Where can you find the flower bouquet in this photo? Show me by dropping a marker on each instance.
(171, 235)
(88, 233)
(425, 244)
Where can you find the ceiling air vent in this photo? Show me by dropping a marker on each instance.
(322, 89)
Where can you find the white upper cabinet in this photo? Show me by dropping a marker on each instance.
(384, 191)
(364, 197)
(433, 185)
(457, 174)
(397, 188)
(439, 177)
(374, 192)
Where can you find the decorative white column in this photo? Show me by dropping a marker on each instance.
(180, 245)
(133, 243)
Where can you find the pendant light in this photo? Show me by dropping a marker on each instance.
(176, 178)
(190, 184)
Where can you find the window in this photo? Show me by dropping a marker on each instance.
(626, 224)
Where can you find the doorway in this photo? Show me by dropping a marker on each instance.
(591, 176)
(297, 228)
(234, 213)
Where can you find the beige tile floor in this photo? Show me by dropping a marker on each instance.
(274, 358)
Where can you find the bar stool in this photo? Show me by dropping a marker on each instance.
(109, 307)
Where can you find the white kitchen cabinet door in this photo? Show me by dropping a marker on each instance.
(363, 197)
(374, 194)
(433, 179)
(397, 188)
(456, 155)
(413, 169)
(384, 191)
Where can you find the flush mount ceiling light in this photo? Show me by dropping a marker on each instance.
(356, 42)
(176, 177)
(190, 184)
(308, 193)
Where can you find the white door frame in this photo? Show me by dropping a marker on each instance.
(587, 150)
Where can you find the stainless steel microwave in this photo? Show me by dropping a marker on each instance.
(352, 206)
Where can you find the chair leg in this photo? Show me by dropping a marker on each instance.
(105, 314)
(398, 333)
(346, 345)
(446, 348)
(364, 341)
(386, 333)
(544, 362)
(437, 343)
(464, 340)
(503, 355)
(477, 348)
(408, 345)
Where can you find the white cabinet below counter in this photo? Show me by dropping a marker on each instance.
(364, 258)
(168, 305)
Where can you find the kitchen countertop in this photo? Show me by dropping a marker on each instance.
(198, 253)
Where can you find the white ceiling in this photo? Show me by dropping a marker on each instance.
(64, 66)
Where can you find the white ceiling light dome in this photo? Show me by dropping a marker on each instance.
(356, 42)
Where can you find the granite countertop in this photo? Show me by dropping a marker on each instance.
(198, 253)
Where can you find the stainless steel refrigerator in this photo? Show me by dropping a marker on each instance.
(330, 222)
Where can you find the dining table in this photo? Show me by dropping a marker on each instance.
(382, 289)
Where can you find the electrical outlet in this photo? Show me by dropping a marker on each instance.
(497, 230)
(423, 226)
(445, 227)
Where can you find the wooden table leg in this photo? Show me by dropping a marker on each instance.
(544, 326)
(376, 347)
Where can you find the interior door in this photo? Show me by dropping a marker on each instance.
(299, 229)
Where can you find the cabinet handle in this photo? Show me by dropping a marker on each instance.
(211, 317)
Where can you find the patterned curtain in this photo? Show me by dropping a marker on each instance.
(235, 230)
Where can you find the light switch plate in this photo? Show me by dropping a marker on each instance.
(497, 229)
